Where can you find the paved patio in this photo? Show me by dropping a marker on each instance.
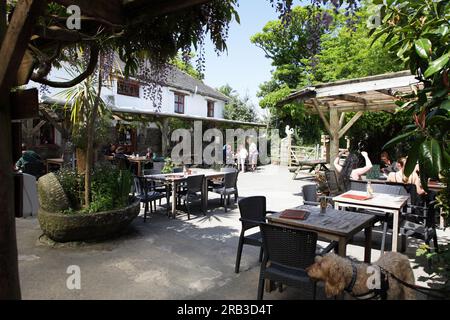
(171, 259)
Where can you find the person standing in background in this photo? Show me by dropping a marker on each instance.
(253, 155)
(243, 154)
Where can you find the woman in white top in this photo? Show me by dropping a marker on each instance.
(350, 168)
(243, 154)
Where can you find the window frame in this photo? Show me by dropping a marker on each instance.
(179, 105)
(210, 108)
(128, 87)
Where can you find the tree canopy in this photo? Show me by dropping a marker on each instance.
(345, 52)
(237, 108)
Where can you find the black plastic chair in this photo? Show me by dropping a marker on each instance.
(334, 186)
(310, 195)
(287, 253)
(229, 187)
(142, 191)
(253, 212)
(419, 221)
(193, 185)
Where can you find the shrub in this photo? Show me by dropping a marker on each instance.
(110, 188)
(71, 182)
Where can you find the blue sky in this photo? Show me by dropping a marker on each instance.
(244, 67)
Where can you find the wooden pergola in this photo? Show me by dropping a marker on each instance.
(331, 101)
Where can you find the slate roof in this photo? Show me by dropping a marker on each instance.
(180, 80)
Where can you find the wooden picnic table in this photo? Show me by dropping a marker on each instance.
(315, 164)
(175, 179)
(388, 203)
(334, 225)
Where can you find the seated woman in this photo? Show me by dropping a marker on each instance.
(350, 168)
(399, 176)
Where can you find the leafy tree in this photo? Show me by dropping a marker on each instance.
(347, 52)
(186, 66)
(419, 33)
(238, 108)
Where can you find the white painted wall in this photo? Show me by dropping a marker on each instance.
(195, 104)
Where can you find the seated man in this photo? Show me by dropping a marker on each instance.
(30, 162)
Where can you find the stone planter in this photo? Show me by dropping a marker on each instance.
(87, 226)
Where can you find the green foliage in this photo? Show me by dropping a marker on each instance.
(287, 47)
(375, 128)
(238, 108)
(168, 166)
(185, 66)
(347, 52)
(443, 198)
(419, 33)
(439, 261)
(71, 182)
(110, 188)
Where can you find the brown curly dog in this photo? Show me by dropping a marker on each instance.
(341, 274)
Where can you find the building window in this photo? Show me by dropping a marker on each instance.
(128, 87)
(211, 109)
(179, 103)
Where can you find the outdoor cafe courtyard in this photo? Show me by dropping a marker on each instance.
(178, 258)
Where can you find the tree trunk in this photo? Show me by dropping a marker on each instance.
(9, 269)
(81, 161)
(90, 144)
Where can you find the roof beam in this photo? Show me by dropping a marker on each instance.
(350, 123)
(342, 119)
(356, 87)
(108, 10)
(353, 98)
(321, 114)
(388, 92)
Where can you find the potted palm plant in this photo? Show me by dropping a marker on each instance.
(92, 202)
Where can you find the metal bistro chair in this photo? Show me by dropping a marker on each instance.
(253, 212)
(287, 253)
(146, 195)
(229, 187)
(194, 185)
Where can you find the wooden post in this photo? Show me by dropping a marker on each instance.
(14, 40)
(334, 134)
(165, 137)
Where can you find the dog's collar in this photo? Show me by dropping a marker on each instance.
(350, 286)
